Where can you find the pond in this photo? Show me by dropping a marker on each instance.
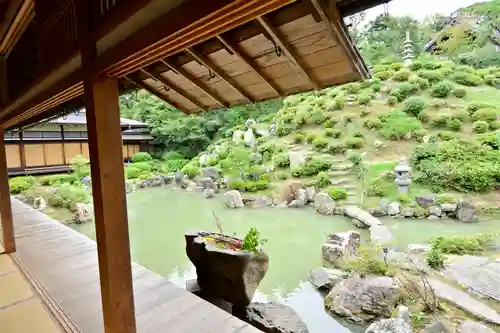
(158, 218)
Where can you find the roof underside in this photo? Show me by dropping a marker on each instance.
(286, 47)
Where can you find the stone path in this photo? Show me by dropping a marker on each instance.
(464, 301)
(478, 274)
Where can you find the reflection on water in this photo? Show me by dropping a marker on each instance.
(159, 217)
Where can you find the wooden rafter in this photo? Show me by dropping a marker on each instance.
(209, 64)
(175, 89)
(144, 86)
(200, 85)
(236, 50)
(336, 32)
(286, 49)
(20, 23)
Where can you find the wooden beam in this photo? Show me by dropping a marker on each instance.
(140, 84)
(237, 51)
(110, 204)
(175, 89)
(286, 49)
(4, 87)
(9, 243)
(336, 31)
(199, 84)
(210, 65)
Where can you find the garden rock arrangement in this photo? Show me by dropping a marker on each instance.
(340, 247)
(400, 324)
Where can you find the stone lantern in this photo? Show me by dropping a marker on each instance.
(402, 172)
(408, 52)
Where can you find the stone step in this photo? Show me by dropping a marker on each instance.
(351, 194)
(338, 160)
(340, 167)
(348, 187)
(339, 182)
(338, 173)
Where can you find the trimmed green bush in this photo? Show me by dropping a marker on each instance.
(312, 167)
(311, 137)
(374, 123)
(353, 88)
(141, 157)
(476, 106)
(336, 148)
(398, 124)
(480, 126)
(56, 180)
(284, 130)
(190, 170)
(454, 124)
(466, 79)
(20, 184)
(414, 105)
(396, 66)
(333, 133)
(441, 90)
(172, 155)
(330, 122)
(462, 115)
(337, 193)
(440, 120)
(249, 185)
(322, 180)
(282, 160)
(432, 76)
(459, 92)
(415, 65)
(298, 138)
(354, 143)
(420, 82)
(485, 115)
(364, 99)
(392, 100)
(446, 136)
(320, 143)
(132, 172)
(383, 75)
(401, 75)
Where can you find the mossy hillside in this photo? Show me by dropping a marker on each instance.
(384, 118)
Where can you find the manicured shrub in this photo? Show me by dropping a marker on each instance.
(141, 157)
(322, 180)
(446, 136)
(330, 122)
(402, 91)
(398, 124)
(144, 167)
(415, 65)
(80, 166)
(282, 160)
(492, 80)
(174, 165)
(374, 123)
(459, 92)
(353, 88)
(414, 105)
(190, 170)
(333, 133)
(419, 135)
(320, 143)
(494, 125)
(392, 100)
(354, 143)
(132, 172)
(172, 155)
(298, 137)
(281, 175)
(364, 112)
(440, 120)
(358, 135)
(364, 99)
(336, 148)
(311, 137)
(461, 114)
(348, 118)
(432, 76)
(68, 196)
(454, 124)
(485, 114)
(480, 126)
(383, 75)
(466, 79)
(445, 71)
(420, 82)
(312, 167)
(396, 66)
(337, 193)
(476, 106)
(441, 90)
(401, 75)
(284, 130)
(21, 184)
(376, 87)
(424, 116)
(56, 180)
(248, 185)
(339, 102)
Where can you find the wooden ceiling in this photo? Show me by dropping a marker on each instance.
(265, 50)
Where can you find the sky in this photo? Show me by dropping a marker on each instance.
(419, 8)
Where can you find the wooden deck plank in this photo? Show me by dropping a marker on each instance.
(65, 262)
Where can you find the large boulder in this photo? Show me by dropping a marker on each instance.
(206, 183)
(340, 247)
(272, 318)
(208, 193)
(469, 326)
(381, 235)
(448, 207)
(324, 204)
(249, 138)
(203, 160)
(211, 172)
(426, 200)
(238, 136)
(297, 159)
(310, 193)
(400, 324)
(361, 215)
(466, 211)
(363, 300)
(377, 212)
(233, 199)
(83, 213)
(325, 278)
(393, 208)
(39, 203)
(249, 123)
(290, 191)
(435, 211)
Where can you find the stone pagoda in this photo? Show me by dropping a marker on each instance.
(408, 52)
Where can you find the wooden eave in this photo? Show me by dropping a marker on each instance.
(221, 54)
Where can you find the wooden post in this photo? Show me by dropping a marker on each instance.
(4, 87)
(22, 152)
(110, 207)
(62, 146)
(9, 243)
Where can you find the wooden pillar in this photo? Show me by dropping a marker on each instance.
(22, 152)
(62, 145)
(110, 207)
(4, 88)
(9, 243)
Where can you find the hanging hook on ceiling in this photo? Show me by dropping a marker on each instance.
(211, 74)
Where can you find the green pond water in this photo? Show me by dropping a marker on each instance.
(158, 218)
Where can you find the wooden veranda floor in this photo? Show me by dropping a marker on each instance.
(62, 266)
